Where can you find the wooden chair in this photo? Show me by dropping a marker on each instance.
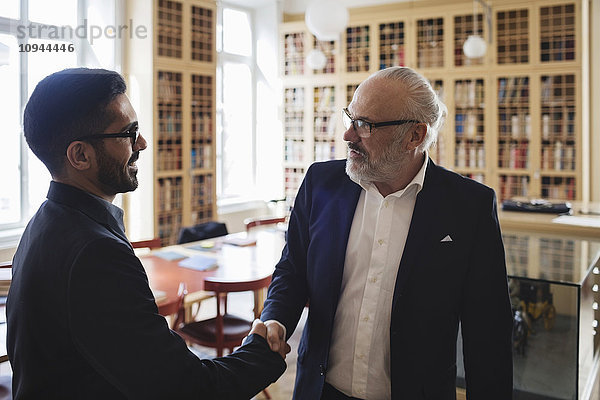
(225, 331)
(253, 222)
(175, 309)
(261, 295)
(150, 244)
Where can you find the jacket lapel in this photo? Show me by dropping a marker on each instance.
(420, 226)
(338, 220)
(347, 207)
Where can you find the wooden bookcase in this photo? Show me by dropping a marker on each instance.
(184, 115)
(516, 121)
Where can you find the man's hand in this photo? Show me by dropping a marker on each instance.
(276, 341)
(276, 338)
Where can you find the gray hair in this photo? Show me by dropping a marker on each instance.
(422, 102)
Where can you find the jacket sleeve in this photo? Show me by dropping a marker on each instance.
(486, 316)
(288, 292)
(115, 325)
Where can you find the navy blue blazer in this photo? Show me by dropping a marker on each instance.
(439, 284)
(83, 324)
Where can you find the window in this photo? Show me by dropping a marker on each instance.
(29, 24)
(236, 114)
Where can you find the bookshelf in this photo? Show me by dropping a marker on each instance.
(516, 121)
(184, 115)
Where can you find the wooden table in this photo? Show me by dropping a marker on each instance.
(235, 263)
(544, 223)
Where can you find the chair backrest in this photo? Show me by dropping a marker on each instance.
(203, 231)
(150, 243)
(252, 222)
(221, 289)
(238, 286)
(175, 309)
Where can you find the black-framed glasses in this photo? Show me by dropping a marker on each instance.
(365, 128)
(133, 134)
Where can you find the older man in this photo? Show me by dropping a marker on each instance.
(392, 252)
(82, 321)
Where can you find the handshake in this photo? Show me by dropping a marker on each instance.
(274, 333)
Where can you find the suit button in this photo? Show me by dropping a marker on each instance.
(322, 369)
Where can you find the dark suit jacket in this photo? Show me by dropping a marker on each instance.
(83, 324)
(439, 284)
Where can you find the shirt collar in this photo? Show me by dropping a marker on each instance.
(113, 210)
(417, 180)
(95, 207)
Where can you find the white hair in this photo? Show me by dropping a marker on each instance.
(421, 102)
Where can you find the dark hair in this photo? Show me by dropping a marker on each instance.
(66, 105)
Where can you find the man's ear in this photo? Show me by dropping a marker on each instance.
(417, 136)
(79, 155)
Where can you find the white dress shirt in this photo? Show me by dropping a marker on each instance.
(359, 354)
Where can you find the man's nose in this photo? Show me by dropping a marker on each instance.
(350, 135)
(140, 143)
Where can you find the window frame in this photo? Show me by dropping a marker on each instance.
(250, 61)
(85, 56)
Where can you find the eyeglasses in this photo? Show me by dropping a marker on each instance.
(364, 128)
(133, 134)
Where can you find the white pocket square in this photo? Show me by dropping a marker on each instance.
(446, 239)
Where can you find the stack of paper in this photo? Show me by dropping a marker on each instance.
(199, 263)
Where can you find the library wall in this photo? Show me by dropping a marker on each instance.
(516, 120)
(184, 115)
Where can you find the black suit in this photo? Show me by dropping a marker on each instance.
(82, 322)
(439, 284)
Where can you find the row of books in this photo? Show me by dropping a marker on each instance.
(357, 36)
(430, 57)
(169, 87)
(294, 98)
(558, 156)
(469, 125)
(294, 125)
(324, 98)
(170, 193)
(558, 188)
(558, 124)
(513, 90)
(469, 93)
(513, 186)
(513, 155)
(469, 155)
(515, 126)
(294, 66)
(293, 178)
(324, 126)
(168, 158)
(169, 124)
(294, 43)
(558, 90)
(357, 60)
(294, 150)
(202, 156)
(324, 151)
(169, 225)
